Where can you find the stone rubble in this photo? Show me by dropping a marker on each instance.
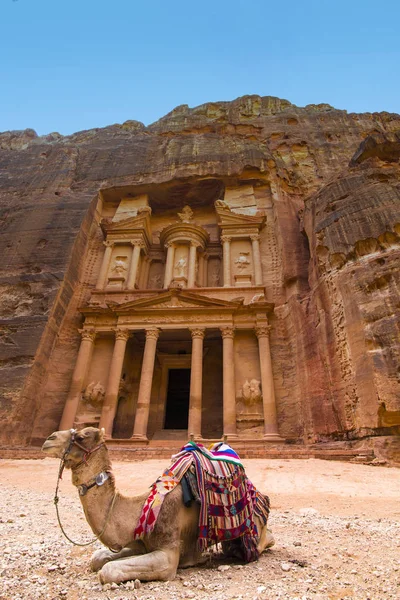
(316, 557)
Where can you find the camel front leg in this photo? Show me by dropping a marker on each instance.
(159, 565)
(102, 556)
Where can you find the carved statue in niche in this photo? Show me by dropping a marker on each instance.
(186, 216)
(119, 267)
(156, 281)
(124, 387)
(94, 393)
(251, 391)
(180, 267)
(215, 276)
(242, 261)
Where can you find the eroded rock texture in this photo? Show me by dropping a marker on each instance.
(329, 182)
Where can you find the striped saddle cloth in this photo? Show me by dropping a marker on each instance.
(228, 499)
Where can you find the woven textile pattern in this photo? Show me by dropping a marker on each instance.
(228, 498)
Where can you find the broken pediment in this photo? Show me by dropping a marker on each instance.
(228, 218)
(133, 225)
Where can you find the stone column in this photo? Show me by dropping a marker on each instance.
(200, 272)
(267, 385)
(169, 266)
(144, 273)
(255, 241)
(133, 267)
(205, 270)
(196, 382)
(226, 240)
(192, 265)
(146, 380)
(114, 378)
(229, 395)
(101, 281)
(78, 379)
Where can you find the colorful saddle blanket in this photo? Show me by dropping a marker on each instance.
(228, 499)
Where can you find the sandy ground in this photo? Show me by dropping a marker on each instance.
(337, 530)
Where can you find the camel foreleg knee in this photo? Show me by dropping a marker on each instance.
(102, 556)
(159, 565)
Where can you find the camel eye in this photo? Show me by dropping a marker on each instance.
(52, 436)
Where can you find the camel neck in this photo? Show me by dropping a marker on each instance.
(97, 501)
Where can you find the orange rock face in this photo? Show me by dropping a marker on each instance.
(328, 184)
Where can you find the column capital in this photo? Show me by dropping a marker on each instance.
(195, 244)
(88, 334)
(122, 334)
(169, 245)
(227, 332)
(137, 242)
(262, 330)
(108, 243)
(226, 238)
(152, 333)
(255, 237)
(197, 332)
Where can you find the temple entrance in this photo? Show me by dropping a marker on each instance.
(177, 406)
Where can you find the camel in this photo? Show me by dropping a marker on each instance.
(172, 543)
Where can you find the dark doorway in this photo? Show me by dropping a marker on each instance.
(177, 409)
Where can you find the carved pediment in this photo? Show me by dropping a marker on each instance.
(139, 224)
(226, 217)
(173, 299)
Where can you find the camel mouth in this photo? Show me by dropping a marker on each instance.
(51, 449)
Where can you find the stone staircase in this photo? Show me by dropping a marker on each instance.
(132, 450)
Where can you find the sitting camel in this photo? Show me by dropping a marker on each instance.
(113, 517)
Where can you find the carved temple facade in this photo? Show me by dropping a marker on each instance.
(175, 335)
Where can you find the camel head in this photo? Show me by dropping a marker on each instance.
(77, 444)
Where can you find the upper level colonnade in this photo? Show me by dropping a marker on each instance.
(182, 253)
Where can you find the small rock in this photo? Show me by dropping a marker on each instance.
(223, 568)
(285, 566)
(137, 584)
(261, 589)
(308, 512)
(296, 543)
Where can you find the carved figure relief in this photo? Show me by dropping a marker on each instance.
(94, 393)
(215, 276)
(186, 216)
(251, 391)
(180, 267)
(242, 261)
(156, 281)
(119, 267)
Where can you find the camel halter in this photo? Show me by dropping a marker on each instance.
(99, 480)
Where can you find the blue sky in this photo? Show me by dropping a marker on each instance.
(68, 65)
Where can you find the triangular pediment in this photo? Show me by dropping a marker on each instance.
(227, 217)
(175, 299)
(131, 224)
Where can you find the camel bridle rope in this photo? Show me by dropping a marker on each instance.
(83, 489)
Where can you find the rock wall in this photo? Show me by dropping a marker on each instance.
(329, 182)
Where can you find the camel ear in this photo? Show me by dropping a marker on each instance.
(102, 434)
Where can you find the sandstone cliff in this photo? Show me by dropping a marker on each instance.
(332, 269)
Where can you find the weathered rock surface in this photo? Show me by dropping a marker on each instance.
(332, 262)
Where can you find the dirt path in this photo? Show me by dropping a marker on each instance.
(337, 530)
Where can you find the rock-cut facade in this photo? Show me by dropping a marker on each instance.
(230, 271)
